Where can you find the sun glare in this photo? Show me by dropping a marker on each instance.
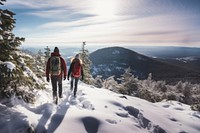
(105, 8)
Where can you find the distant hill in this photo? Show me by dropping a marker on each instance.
(167, 52)
(114, 60)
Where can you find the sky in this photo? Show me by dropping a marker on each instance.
(123, 22)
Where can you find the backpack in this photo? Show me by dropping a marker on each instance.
(76, 68)
(55, 65)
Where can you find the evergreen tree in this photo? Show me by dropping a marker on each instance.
(86, 65)
(39, 67)
(98, 82)
(148, 83)
(12, 65)
(47, 53)
(110, 83)
(129, 84)
(9, 49)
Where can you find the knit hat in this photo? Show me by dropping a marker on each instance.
(77, 56)
(56, 50)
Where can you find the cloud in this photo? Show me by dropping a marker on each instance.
(52, 13)
(121, 30)
(110, 21)
(94, 20)
(21, 4)
(49, 4)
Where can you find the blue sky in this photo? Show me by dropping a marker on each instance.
(123, 22)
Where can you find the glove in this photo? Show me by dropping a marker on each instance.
(82, 78)
(47, 79)
(64, 78)
(67, 78)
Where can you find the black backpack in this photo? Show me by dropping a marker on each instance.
(55, 65)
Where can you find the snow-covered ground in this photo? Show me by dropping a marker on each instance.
(96, 111)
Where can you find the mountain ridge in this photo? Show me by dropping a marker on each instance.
(113, 60)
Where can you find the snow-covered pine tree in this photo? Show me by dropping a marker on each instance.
(47, 53)
(12, 65)
(86, 65)
(98, 82)
(9, 49)
(110, 83)
(129, 84)
(39, 69)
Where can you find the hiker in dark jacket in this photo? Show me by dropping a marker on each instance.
(56, 68)
(76, 72)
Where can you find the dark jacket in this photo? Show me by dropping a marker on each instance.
(71, 68)
(63, 65)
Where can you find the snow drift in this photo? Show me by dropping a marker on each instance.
(95, 110)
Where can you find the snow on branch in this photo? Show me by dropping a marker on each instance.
(9, 65)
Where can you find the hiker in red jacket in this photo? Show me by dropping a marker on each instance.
(76, 71)
(56, 68)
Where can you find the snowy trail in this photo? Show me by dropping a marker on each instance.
(53, 115)
(96, 111)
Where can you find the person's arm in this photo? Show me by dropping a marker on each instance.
(64, 67)
(82, 73)
(69, 72)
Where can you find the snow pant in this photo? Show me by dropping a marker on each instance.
(74, 83)
(56, 82)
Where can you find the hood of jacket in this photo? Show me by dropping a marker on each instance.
(55, 54)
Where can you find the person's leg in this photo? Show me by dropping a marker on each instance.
(72, 83)
(60, 86)
(54, 85)
(76, 85)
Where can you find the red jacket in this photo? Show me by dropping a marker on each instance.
(63, 65)
(70, 72)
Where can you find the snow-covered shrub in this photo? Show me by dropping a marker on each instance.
(11, 83)
(149, 95)
(187, 92)
(27, 96)
(195, 107)
(129, 84)
(110, 83)
(179, 86)
(161, 86)
(130, 87)
(171, 96)
(148, 83)
(155, 91)
(195, 97)
(98, 82)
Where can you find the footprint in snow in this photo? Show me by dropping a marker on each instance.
(166, 106)
(196, 114)
(91, 124)
(87, 105)
(180, 109)
(173, 119)
(111, 121)
(123, 97)
(122, 114)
